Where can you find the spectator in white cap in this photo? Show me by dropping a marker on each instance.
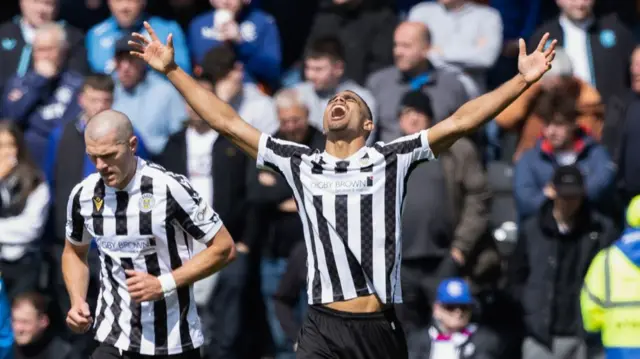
(522, 118)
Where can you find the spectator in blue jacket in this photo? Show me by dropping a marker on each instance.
(40, 99)
(127, 17)
(6, 333)
(253, 33)
(563, 143)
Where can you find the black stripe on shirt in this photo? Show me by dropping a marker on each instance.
(146, 218)
(103, 301)
(77, 221)
(400, 148)
(116, 330)
(122, 202)
(135, 336)
(159, 306)
(316, 286)
(285, 150)
(175, 211)
(323, 232)
(98, 208)
(184, 294)
(342, 229)
(391, 173)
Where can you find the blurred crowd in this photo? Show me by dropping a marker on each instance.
(498, 235)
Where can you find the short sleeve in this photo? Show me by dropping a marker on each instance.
(275, 153)
(416, 146)
(194, 215)
(76, 232)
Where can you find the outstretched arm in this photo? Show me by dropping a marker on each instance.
(477, 112)
(219, 115)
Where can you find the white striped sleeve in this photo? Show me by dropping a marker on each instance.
(273, 152)
(76, 231)
(191, 211)
(417, 145)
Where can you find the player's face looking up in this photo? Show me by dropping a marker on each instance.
(347, 116)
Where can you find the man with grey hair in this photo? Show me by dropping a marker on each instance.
(277, 211)
(40, 98)
(18, 33)
(144, 221)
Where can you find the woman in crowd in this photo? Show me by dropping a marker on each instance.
(24, 200)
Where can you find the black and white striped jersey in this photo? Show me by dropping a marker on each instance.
(148, 226)
(350, 211)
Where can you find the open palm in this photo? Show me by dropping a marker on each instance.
(536, 64)
(158, 55)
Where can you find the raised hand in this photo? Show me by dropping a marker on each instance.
(534, 65)
(158, 55)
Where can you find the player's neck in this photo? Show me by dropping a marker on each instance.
(132, 172)
(341, 148)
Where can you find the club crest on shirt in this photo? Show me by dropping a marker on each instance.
(146, 203)
(98, 202)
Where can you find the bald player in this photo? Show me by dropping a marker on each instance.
(144, 220)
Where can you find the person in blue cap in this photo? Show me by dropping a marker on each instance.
(452, 334)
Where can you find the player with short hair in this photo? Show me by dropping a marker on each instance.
(349, 199)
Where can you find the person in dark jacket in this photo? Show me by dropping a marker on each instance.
(277, 212)
(34, 338)
(621, 128)
(216, 169)
(16, 40)
(452, 333)
(40, 99)
(289, 301)
(547, 267)
(562, 143)
(599, 46)
(349, 20)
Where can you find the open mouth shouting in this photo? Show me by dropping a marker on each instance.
(338, 112)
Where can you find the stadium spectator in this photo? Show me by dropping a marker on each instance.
(452, 334)
(128, 16)
(18, 34)
(519, 20)
(216, 169)
(6, 332)
(412, 71)
(252, 33)
(324, 70)
(24, 203)
(599, 46)
(610, 306)
(463, 34)
(365, 28)
(34, 337)
(553, 252)
(223, 67)
(289, 301)
(277, 212)
(522, 116)
(137, 87)
(621, 127)
(449, 240)
(563, 143)
(39, 100)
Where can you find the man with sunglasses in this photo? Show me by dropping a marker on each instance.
(452, 334)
